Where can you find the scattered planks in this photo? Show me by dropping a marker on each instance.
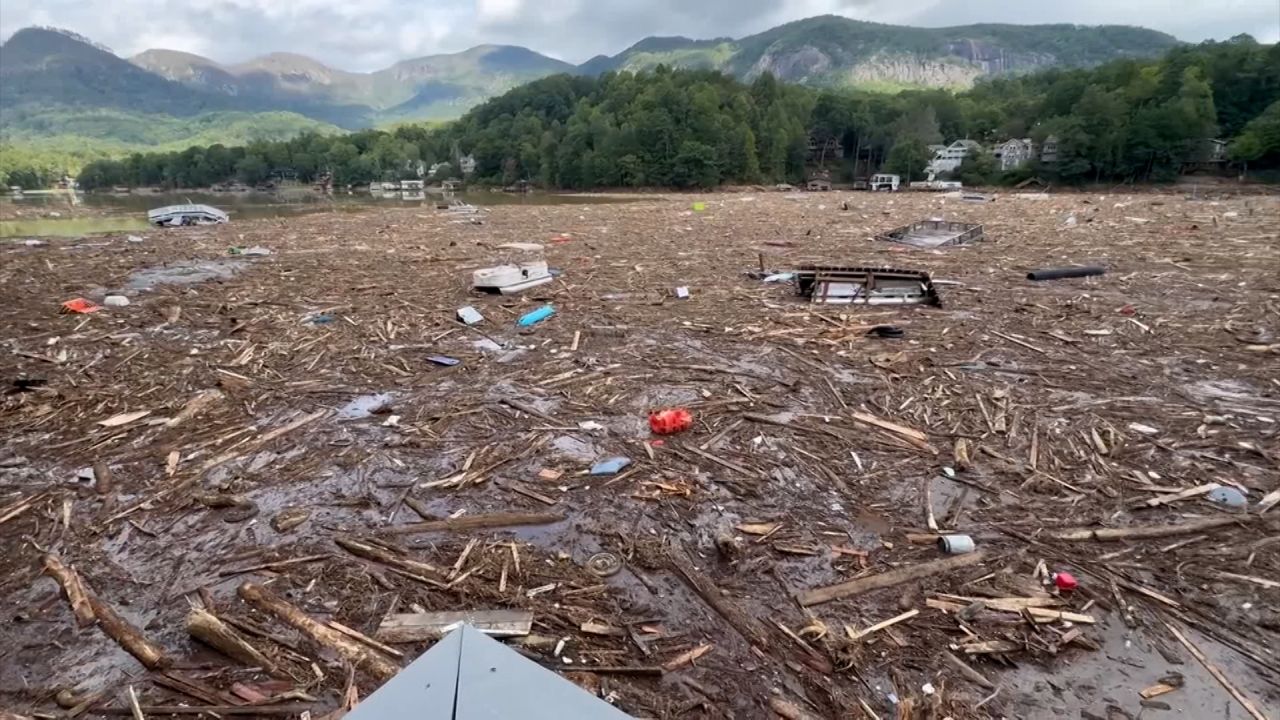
(416, 627)
(357, 653)
(817, 596)
(1144, 531)
(207, 628)
(88, 608)
(475, 522)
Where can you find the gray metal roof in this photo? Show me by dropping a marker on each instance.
(470, 676)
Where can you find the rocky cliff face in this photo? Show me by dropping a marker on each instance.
(804, 64)
(959, 68)
(996, 60)
(908, 70)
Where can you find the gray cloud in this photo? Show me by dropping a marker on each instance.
(372, 34)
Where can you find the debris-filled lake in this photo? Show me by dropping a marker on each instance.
(278, 474)
(63, 215)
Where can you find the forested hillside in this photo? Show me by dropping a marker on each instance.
(1129, 120)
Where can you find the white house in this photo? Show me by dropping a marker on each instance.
(467, 164)
(1014, 153)
(949, 158)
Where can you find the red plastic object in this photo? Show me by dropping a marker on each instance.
(79, 305)
(670, 422)
(1065, 581)
(1128, 311)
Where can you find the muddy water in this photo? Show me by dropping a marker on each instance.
(1129, 662)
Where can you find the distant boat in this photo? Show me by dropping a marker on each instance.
(175, 215)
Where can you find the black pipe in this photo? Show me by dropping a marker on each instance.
(1060, 273)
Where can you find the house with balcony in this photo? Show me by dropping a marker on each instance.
(1014, 153)
(950, 158)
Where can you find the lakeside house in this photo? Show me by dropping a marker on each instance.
(1049, 150)
(950, 157)
(1014, 153)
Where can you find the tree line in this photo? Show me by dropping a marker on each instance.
(1126, 121)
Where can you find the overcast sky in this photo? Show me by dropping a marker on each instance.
(371, 34)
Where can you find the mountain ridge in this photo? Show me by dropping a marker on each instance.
(47, 72)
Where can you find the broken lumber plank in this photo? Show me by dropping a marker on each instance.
(1250, 578)
(911, 435)
(73, 587)
(858, 586)
(357, 635)
(1008, 604)
(714, 597)
(1045, 615)
(990, 647)
(688, 657)
(209, 629)
(475, 522)
(642, 670)
(358, 654)
(1269, 501)
(967, 670)
(1175, 497)
(1217, 674)
(595, 628)
(521, 489)
(416, 627)
(859, 634)
(369, 551)
(1157, 690)
(212, 710)
(1017, 341)
(1144, 531)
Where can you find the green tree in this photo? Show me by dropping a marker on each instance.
(908, 158)
(252, 169)
(979, 168)
(696, 166)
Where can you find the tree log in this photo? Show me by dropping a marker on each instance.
(1145, 531)
(475, 522)
(89, 607)
(130, 638)
(207, 628)
(887, 579)
(72, 586)
(358, 654)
